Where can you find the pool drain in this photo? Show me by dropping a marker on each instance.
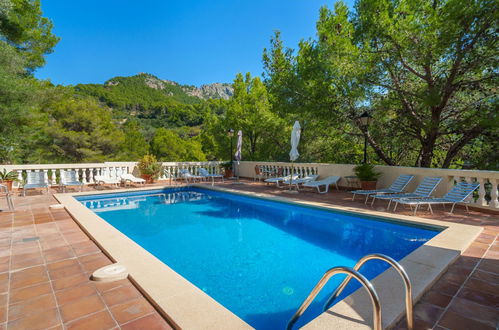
(110, 273)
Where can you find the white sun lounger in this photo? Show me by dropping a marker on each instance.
(326, 182)
(130, 178)
(299, 181)
(101, 179)
(281, 179)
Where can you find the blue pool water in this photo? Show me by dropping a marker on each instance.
(258, 258)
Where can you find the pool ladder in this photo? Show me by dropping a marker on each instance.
(354, 273)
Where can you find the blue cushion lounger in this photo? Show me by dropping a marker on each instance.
(424, 189)
(397, 186)
(457, 194)
(35, 180)
(186, 174)
(204, 172)
(70, 178)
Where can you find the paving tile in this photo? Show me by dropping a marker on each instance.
(106, 286)
(65, 272)
(489, 265)
(472, 310)
(456, 321)
(436, 298)
(76, 292)
(84, 248)
(3, 314)
(59, 253)
(81, 307)
(98, 321)
(120, 295)
(480, 297)
(445, 288)
(47, 319)
(35, 305)
(29, 277)
(482, 286)
(427, 313)
(131, 310)
(29, 292)
(70, 281)
(149, 322)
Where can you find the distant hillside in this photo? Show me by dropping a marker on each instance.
(155, 102)
(146, 90)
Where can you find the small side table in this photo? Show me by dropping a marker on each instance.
(352, 181)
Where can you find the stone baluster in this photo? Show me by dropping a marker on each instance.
(84, 175)
(46, 177)
(53, 181)
(19, 178)
(494, 203)
(481, 192)
(471, 198)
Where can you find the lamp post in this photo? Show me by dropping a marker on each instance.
(230, 133)
(365, 119)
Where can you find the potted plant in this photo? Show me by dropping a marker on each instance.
(8, 177)
(150, 169)
(367, 175)
(227, 166)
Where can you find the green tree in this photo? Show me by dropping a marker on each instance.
(18, 98)
(264, 133)
(168, 146)
(23, 27)
(76, 130)
(134, 144)
(426, 71)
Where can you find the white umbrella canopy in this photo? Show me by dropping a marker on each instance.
(295, 140)
(239, 145)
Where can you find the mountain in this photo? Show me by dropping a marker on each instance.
(155, 102)
(145, 88)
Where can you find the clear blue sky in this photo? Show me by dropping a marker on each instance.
(189, 41)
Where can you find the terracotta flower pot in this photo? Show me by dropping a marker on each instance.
(368, 185)
(149, 178)
(228, 173)
(8, 183)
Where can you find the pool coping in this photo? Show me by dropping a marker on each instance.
(186, 306)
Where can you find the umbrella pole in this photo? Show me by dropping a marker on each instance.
(292, 173)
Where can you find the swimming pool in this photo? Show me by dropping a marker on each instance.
(258, 258)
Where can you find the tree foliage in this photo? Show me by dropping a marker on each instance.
(249, 110)
(426, 70)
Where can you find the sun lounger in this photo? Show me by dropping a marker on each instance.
(281, 179)
(204, 172)
(397, 186)
(130, 178)
(101, 179)
(458, 194)
(299, 181)
(326, 182)
(35, 180)
(187, 175)
(424, 189)
(70, 178)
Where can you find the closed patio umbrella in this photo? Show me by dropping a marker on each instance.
(238, 150)
(294, 154)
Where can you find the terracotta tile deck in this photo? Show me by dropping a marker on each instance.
(45, 264)
(46, 261)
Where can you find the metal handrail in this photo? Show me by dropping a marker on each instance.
(325, 278)
(398, 268)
